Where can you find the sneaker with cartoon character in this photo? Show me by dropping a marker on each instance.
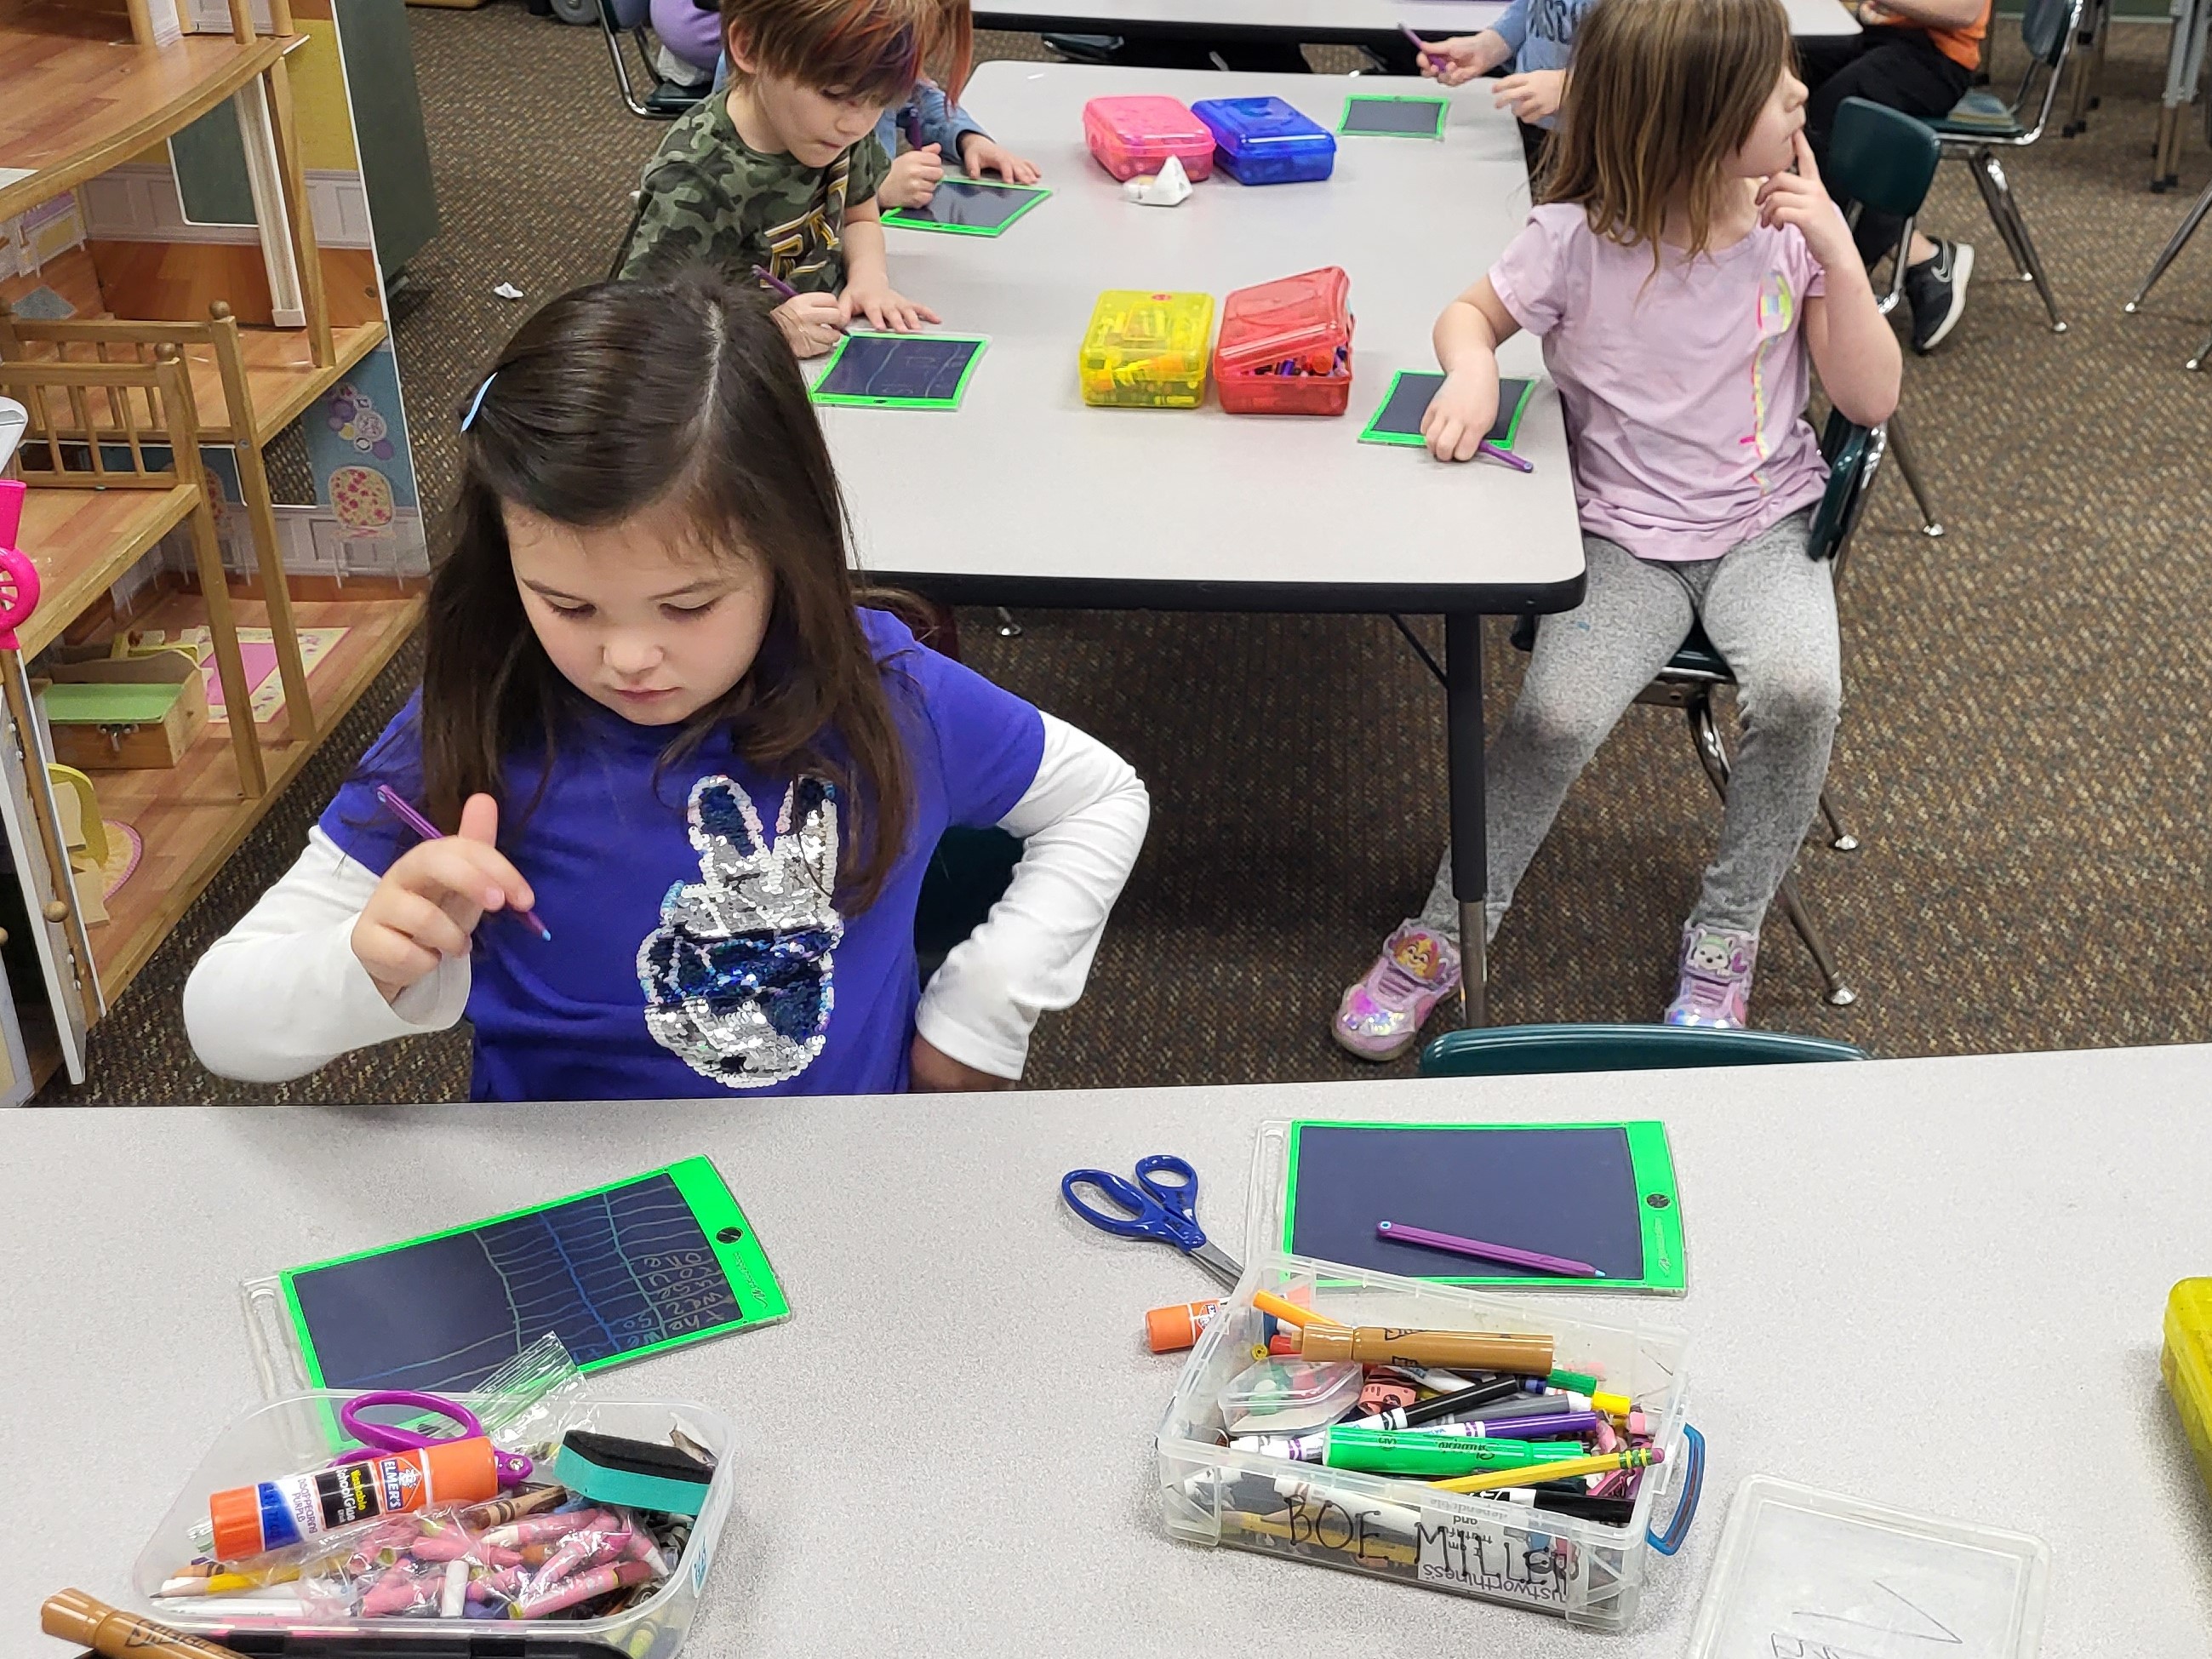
(1715, 991)
(1382, 1015)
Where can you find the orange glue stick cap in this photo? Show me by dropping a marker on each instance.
(1171, 1330)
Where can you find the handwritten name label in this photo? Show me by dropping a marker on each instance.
(1515, 1561)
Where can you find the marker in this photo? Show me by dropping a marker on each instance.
(1474, 1398)
(1560, 1425)
(1573, 1469)
(429, 831)
(1614, 1406)
(1289, 1312)
(1534, 1260)
(1385, 1344)
(1612, 1511)
(1378, 1452)
(1519, 465)
(1422, 46)
(775, 282)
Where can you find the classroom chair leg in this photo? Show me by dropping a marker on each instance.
(1712, 755)
(1008, 627)
(1899, 445)
(2172, 250)
(1839, 837)
(2203, 356)
(2005, 209)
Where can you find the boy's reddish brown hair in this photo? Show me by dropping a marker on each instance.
(867, 49)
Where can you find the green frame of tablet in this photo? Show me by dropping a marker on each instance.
(1344, 122)
(713, 1208)
(846, 400)
(1651, 1163)
(1037, 193)
(1370, 435)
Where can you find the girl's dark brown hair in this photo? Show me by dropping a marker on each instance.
(1661, 94)
(614, 398)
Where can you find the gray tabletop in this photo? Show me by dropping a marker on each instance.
(947, 1448)
(1026, 495)
(1316, 19)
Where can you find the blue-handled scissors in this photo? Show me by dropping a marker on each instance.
(1155, 1208)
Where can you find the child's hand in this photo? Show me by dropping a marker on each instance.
(811, 322)
(979, 155)
(912, 179)
(1800, 198)
(431, 899)
(1535, 96)
(884, 306)
(930, 1070)
(1459, 417)
(1456, 62)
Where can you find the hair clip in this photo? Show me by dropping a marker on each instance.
(476, 402)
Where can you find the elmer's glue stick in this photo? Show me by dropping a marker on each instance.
(248, 1520)
(1171, 1330)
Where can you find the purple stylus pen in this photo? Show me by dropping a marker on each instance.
(429, 831)
(1506, 456)
(1422, 46)
(1534, 1260)
(775, 282)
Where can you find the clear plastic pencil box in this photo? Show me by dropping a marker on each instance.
(1143, 350)
(1136, 135)
(299, 1432)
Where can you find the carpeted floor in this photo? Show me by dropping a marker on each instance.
(2023, 753)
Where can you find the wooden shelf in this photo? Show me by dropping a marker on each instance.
(190, 816)
(280, 375)
(75, 99)
(82, 541)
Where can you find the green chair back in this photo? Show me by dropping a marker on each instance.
(1534, 1050)
(1847, 447)
(1882, 158)
(2043, 27)
(966, 875)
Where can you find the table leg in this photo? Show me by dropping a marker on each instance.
(1470, 837)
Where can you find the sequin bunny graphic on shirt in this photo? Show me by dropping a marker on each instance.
(737, 977)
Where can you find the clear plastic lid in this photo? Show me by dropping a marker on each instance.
(1148, 124)
(1802, 1570)
(1278, 321)
(1286, 1394)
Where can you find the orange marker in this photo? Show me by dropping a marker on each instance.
(1383, 1345)
(1171, 1329)
(1289, 1312)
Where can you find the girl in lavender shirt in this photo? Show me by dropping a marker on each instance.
(1684, 279)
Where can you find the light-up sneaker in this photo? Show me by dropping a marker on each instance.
(1716, 964)
(1381, 1016)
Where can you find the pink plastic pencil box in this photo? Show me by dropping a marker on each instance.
(1130, 135)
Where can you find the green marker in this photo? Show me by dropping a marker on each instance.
(1381, 1451)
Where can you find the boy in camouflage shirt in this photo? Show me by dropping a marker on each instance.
(781, 172)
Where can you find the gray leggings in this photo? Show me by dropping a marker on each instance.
(1770, 612)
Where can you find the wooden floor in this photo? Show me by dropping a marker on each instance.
(192, 817)
(78, 95)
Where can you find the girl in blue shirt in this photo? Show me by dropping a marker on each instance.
(656, 711)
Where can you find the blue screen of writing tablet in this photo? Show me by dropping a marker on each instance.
(894, 365)
(1410, 396)
(617, 1270)
(1393, 115)
(1565, 1192)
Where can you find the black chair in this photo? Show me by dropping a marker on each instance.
(967, 874)
(668, 99)
(1981, 123)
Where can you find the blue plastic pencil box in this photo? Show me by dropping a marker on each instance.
(1264, 141)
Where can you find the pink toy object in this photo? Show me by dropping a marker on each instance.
(19, 577)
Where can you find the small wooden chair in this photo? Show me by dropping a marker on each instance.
(105, 341)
